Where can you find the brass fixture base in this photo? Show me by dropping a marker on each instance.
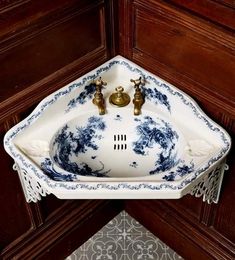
(120, 98)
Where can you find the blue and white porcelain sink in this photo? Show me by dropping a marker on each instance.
(73, 152)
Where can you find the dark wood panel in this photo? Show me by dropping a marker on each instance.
(186, 50)
(20, 17)
(190, 207)
(49, 205)
(51, 50)
(221, 12)
(10, 4)
(70, 228)
(91, 221)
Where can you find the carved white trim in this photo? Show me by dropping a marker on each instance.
(32, 189)
(210, 185)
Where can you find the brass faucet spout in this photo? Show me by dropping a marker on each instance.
(98, 100)
(137, 107)
(101, 108)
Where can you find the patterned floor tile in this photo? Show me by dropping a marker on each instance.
(123, 238)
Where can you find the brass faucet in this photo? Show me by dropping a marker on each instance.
(138, 100)
(98, 99)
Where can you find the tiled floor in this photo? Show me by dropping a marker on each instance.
(123, 238)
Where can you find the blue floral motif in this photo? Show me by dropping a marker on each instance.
(84, 96)
(151, 133)
(181, 171)
(157, 96)
(48, 169)
(82, 169)
(67, 144)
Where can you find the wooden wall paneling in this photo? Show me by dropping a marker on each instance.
(189, 207)
(198, 51)
(112, 26)
(50, 48)
(125, 27)
(219, 12)
(224, 217)
(11, 4)
(24, 16)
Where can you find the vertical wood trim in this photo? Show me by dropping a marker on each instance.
(125, 25)
(112, 26)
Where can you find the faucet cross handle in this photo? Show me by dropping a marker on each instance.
(99, 83)
(138, 82)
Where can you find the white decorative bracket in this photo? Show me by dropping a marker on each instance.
(32, 189)
(210, 185)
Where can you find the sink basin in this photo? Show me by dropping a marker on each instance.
(102, 146)
(73, 152)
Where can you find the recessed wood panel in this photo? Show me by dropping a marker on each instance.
(46, 52)
(186, 50)
(188, 206)
(221, 12)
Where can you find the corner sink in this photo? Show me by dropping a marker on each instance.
(68, 149)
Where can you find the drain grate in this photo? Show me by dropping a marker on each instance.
(119, 142)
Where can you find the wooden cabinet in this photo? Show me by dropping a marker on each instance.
(46, 44)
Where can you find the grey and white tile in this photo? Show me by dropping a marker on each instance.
(123, 238)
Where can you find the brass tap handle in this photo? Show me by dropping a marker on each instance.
(99, 83)
(138, 82)
(119, 91)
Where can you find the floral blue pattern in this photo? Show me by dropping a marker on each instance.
(181, 171)
(47, 167)
(67, 144)
(150, 133)
(83, 97)
(157, 97)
